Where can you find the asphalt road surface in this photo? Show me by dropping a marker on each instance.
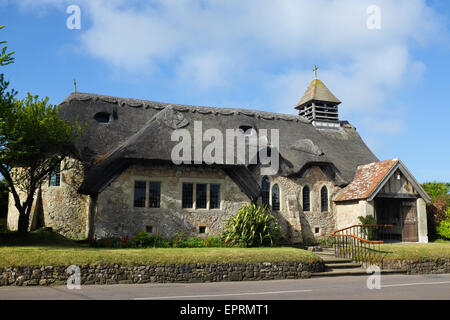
(409, 287)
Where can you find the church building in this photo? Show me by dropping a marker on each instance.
(122, 177)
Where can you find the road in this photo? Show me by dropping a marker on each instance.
(409, 287)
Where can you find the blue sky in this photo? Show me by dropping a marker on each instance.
(255, 54)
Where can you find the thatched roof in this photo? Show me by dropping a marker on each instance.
(140, 130)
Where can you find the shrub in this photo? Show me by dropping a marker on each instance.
(444, 229)
(178, 241)
(326, 242)
(213, 242)
(194, 242)
(436, 212)
(143, 239)
(369, 232)
(251, 226)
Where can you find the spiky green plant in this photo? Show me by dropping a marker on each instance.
(252, 226)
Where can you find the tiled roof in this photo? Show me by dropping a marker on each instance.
(317, 91)
(366, 180)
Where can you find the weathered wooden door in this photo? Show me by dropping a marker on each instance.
(409, 218)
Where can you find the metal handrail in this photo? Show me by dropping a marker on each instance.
(363, 226)
(354, 246)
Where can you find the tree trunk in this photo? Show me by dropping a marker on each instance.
(23, 223)
(24, 215)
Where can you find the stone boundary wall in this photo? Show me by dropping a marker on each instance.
(441, 265)
(107, 274)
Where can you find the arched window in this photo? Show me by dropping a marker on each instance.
(276, 198)
(324, 199)
(306, 199)
(265, 188)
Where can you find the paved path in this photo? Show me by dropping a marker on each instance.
(348, 287)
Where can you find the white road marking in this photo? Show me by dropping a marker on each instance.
(413, 284)
(223, 295)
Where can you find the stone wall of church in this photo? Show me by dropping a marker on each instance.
(60, 207)
(117, 215)
(349, 211)
(305, 226)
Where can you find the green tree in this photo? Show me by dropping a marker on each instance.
(5, 57)
(436, 189)
(33, 141)
(436, 210)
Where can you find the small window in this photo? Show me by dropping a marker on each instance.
(276, 198)
(55, 177)
(306, 199)
(140, 188)
(102, 117)
(202, 229)
(265, 191)
(246, 129)
(324, 199)
(214, 191)
(187, 196)
(316, 230)
(149, 229)
(154, 195)
(201, 197)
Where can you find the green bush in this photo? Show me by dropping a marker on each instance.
(326, 242)
(194, 242)
(213, 242)
(444, 229)
(143, 239)
(369, 232)
(252, 226)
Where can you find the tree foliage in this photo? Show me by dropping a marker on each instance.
(439, 206)
(436, 189)
(33, 141)
(5, 57)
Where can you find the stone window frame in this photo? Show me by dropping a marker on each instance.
(268, 190)
(273, 182)
(147, 180)
(315, 228)
(208, 182)
(328, 198)
(58, 177)
(279, 196)
(310, 197)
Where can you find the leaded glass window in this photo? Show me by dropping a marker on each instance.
(214, 191)
(154, 195)
(140, 188)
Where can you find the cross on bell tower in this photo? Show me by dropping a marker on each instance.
(315, 72)
(319, 105)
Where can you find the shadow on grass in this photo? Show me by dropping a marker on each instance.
(42, 237)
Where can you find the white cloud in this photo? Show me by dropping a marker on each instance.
(205, 45)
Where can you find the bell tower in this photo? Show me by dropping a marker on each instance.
(319, 105)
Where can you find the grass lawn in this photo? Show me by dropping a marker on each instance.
(64, 256)
(49, 249)
(419, 251)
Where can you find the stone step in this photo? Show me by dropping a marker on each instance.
(336, 260)
(325, 253)
(352, 272)
(343, 265)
